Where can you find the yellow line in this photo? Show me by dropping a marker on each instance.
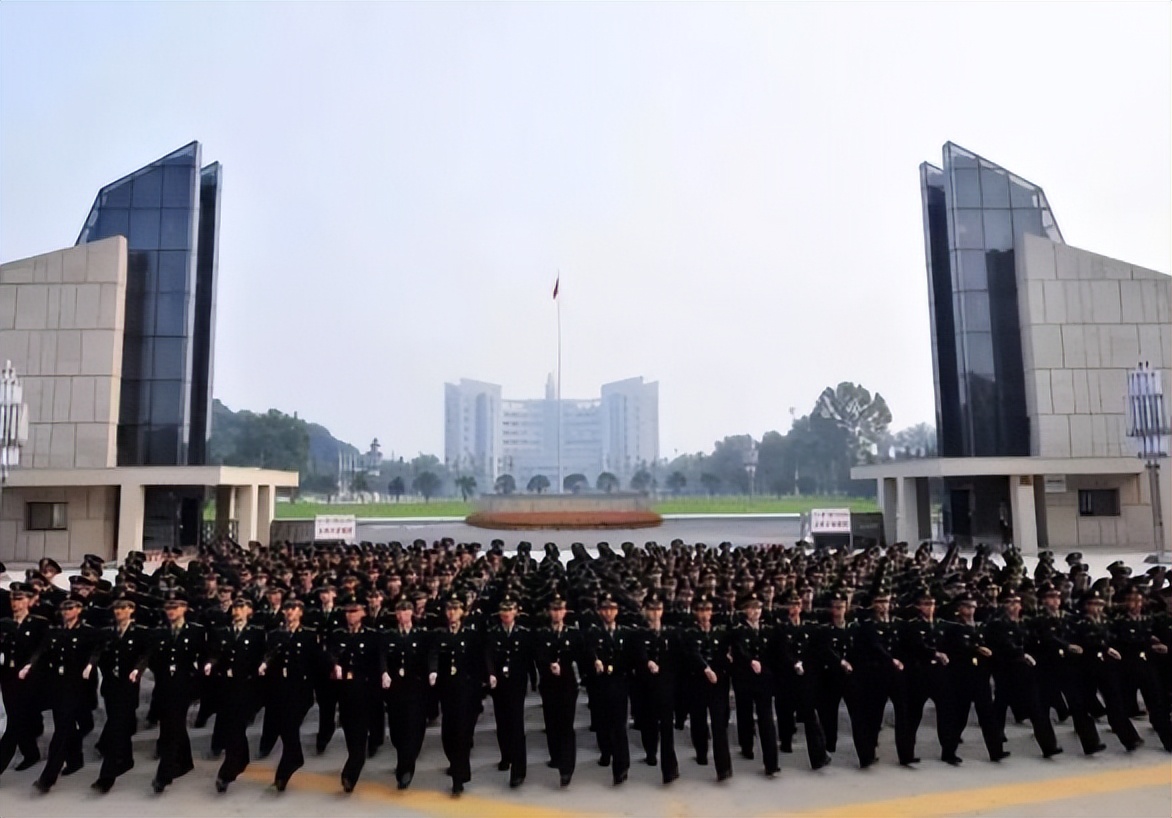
(429, 802)
(974, 801)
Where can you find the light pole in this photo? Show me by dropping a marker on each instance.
(1147, 423)
(751, 455)
(13, 422)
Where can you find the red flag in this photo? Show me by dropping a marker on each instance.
(556, 284)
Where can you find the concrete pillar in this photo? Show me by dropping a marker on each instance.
(924, 504)
(225, 508)
(246, 513)
(266, 510)
(889, 506)
(1023, 513)
(907, 520)
(131, 512)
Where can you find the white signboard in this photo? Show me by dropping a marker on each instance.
(1055, 483)
(335, 527)
(830, 521)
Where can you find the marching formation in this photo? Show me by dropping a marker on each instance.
(389, 638)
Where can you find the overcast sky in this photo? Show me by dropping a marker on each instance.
(730, 191)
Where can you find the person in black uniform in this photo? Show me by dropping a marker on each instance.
(1101, 665)
(878, 675)
(406, 699)
(831, 670)
(456, 670)
(359, 668)
(967, 677)
(125, 651)
(176, 663)
(925, 664)
(508, 657)
(558, 649)
(707, 651)
(234, 658)
(797, 662)
(325, 617)
(753, 652)
(21, 637)
(293, 660)
(608, 651)
(656, 672)
(65, 664)
(1138, 646)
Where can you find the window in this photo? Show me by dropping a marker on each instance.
(45, 517)
(1098, 502)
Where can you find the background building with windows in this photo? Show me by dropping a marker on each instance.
(487, 436)
(113, 339)
(1032, 340)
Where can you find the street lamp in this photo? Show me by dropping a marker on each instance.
(13, 421)
(1147, 423)
(751, 455)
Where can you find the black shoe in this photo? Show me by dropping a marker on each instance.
(651, 761)
(347, 785)
(604, 761)
(70, 769)
(952, 760)
(516, 782)
(620, 778)
(221, 785)
(702, 761)
(1000, 755)
(747, 754)
(724, 776)
(319, 748)
(864, 763)
(263, 752)
(457, 788)
(27, 763)
(670, 777)
(371, 752)
(787, 748)
(502, 765)
(279, 784)
(564, 780)
(41, 787)
(553, 765)
(212, 754)
(1135, 745)
(404, 780)
(1051, 753)
(826, 759)
(1100, 747)
(157, 786)
(102, 785)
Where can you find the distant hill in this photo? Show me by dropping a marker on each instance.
(273, 440)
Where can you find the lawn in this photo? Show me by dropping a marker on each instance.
(666, 505)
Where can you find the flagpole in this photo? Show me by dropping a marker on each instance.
(557, 286)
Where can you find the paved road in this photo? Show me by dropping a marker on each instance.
(1024, 785)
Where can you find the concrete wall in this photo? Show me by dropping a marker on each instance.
(1086, 320)
(61, 322)
(91, 524)
(1133, 527)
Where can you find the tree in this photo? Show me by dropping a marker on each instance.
(426, 484)
(711, 483)
(505, 484)
(642, 480)
(862, 417)
(467, 486)
(396, 487)
(538, 484)
(676, 482)
(359, 485)
(575, 483)
(326, 484)
(914, 441)
(607, 482)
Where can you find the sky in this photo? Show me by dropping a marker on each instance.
(729, 192)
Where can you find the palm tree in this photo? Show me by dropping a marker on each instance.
(505, 484)
(863, 417)
(466, 485)
(607, 482)
(538, 484)
(575, 483)
(396, 487)
(676, 482)
(427, 484)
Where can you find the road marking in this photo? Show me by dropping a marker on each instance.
(982, 799)
(428, 802)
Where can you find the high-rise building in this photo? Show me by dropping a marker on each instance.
(487, 436)
(1032, 341)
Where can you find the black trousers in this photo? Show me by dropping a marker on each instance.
(459, 700)
(558, 703)
(121, 700)
(509, 713)
(970, 689)
(709, 706)
(1146, 678)
(796, 697)
(270, 729)
(289, 702)
(326, 693)
(744, 712)
(658, 729)
(1103, 675)
(175, 760)
(69, 704)
(872, 686)
(233, 715)
(610, 719)
(355, 697)
(830, 689)
(1020, 680)
(24, 719)
(923, 682)
(757, 691)
(407, 714)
